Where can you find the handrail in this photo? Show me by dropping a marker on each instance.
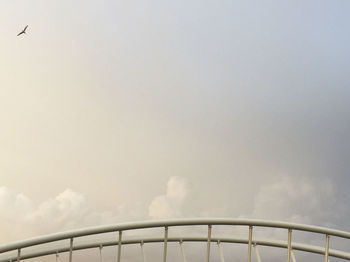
(260, 242)
(169, 223)
(209, 222)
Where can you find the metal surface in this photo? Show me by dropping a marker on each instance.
(257, 253)
(169, 223)
(18, 255)
(326, 251)
(250, 237)
(259, 242)
(208, 243)
(165, 243)
(182, 251)
(293, 257)
(119, 245)
(71, 235)
(143, 252)
(220, 252)
(289, 248)
(71, 250)
(100, 249)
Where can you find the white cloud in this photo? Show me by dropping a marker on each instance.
(171, 203)
(68, 210)
(294, 200)
(287, 199)
(13, 204)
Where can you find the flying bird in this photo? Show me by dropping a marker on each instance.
(23, 31)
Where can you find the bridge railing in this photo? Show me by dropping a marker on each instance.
(252, 243)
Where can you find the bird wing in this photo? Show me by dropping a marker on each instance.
(23, 31)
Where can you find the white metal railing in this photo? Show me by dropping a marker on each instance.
(289, 245)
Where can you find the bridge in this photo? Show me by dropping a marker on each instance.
(23, 250)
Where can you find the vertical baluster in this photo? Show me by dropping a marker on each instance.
(18, 255)
(182, 252)
(165, 243)
(57, 256)
(208, 243)
(250, 243)
(220, 252)
(289, 244)
(101, 258)
(71, 250)
(143, 252)
(119, 246)
(326, 249)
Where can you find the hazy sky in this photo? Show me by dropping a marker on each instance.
(117, 111)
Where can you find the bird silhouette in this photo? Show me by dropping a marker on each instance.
(23, 31)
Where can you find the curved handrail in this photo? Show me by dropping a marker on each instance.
(169, 223)
(260, 242)
(251, 223)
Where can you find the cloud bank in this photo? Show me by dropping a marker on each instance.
(287, 199)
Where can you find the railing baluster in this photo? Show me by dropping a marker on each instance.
(165, 243)
(208, 243)
(37, 247)
(18, 255)
(220, 252)
(71, 250)
(293, 257)
(119, 245)
(182, 252)
(143, 252)
(326, 249)
(289, 244)
(101, 258)
(257, 253)
(250, 243)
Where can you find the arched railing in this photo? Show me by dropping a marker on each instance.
(251, 241)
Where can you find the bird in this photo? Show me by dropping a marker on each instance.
(23, 31)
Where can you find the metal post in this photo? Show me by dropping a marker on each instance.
(208, 243)
(119, 246)
(293, 257)
(220, 252)
(257, 253)
(182, 252)
(143, 252)
(71, 250)
(250, 243)
(57, 255)
(289, 244)
(100, 248)
(18, 255)
(165, 243)
(326, 249)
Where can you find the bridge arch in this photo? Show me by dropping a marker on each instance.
(210, 239)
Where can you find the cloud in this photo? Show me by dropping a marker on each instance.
(68, 210)
(61, 212)
(14, 203)
(287, 199)
(170, 204)
(295, 200)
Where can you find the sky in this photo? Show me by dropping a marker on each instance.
(115, 111)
